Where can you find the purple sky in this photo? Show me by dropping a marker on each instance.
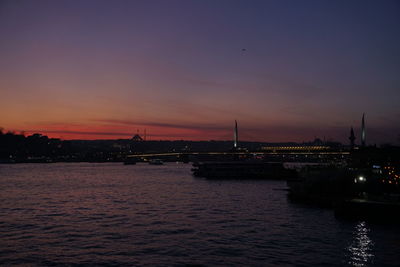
(286, 70)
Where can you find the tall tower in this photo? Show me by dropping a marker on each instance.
(235, 136)
(363, 131)
(352, 138)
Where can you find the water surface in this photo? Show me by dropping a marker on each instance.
(111, 214)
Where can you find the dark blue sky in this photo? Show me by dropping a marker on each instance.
(178, 68)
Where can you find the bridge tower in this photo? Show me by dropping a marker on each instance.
(352, 138)
(363, 134)
(235, 136)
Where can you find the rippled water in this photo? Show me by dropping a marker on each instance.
(111, 214)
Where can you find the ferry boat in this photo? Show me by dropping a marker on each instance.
(242, 170)
(352, 192)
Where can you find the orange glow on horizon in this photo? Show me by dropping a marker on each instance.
(154, 133)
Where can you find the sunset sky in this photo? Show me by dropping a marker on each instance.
(285, 70)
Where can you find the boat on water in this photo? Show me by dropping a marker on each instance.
(242, 170)
(369, 193)
(156, 162)
(321, 184)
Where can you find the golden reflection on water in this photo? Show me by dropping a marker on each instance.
(361, 247)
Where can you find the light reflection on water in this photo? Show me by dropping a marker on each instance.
(361, 248)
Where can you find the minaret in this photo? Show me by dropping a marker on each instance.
(363, 131)
(352, 138)
(235, 136)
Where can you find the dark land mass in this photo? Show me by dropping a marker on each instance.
(15, 148)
